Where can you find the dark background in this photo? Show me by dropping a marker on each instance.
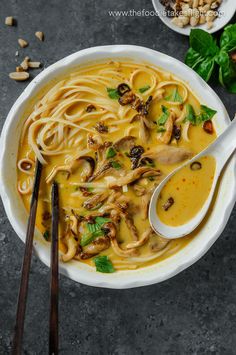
(193, 313)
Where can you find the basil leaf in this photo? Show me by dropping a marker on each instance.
(206, 114)
(161, 129)
(205, 68)
(193, 58)
(203, 43)
(89, 237)
(102, 220)
(162, 120)
(46, 235)
(228, 38)
(103, 264)
(144, 88)
(113, 93)
(116, 165)
(110, 153)
(99, 222)
(174, 97)
(227, 72)
(190, 114)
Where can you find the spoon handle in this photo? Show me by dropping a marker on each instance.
(225, 145)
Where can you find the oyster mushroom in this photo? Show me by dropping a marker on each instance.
(143, 240)
(168, 155)
(110, 230)
(135, 175)
(124, 143)
(95, 201)
(94, 248)
(158, 243)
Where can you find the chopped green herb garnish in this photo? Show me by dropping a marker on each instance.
(94, 230)
(174, 96)
(161, 130)
(89, 237)
(116, 165)
(111, 152)
(103, 264)
(151, 178)
(206, 114)
(46, 235)
(144, 88)
(190, 114)
(90, 189)
(165, 114)
(113, 93)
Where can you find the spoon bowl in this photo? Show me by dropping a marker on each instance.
(221, 149)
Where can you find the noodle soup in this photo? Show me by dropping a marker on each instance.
(108, 134)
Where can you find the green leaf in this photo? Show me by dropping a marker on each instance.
(89, 237)
(228, 38)
(205, 68)
(165, 114)
(95, 228)
(161, 130)
(227, 72)
(102, 220)
(113, 93)
(111, 152)
(116, 165)
(206, 114)
(193, 58)
(46, 235)
(203, 43)
(144, 88)
(103, 264)
(190, 114)
(174, 97)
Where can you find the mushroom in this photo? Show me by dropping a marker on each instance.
(91, 163)
(135, 175)
(98, 245)
(127, 98)
(94, 141)
(69, 168)
(124, 143)
(96, 201)
(110, 230)
(168, 155)
(135, 155)
(102, 171)
(158, 243)
(144, 238)
(169, 125)
(101, 127)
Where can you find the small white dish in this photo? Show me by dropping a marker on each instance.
(227, 9)
(81, 272)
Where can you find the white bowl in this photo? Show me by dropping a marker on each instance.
(227, 9)
(79, 271)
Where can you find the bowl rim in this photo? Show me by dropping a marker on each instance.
(123, 279)
(186, 30)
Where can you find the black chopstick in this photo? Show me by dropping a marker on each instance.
(53, 322)
(22, 297)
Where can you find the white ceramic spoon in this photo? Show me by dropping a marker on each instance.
(221, 149)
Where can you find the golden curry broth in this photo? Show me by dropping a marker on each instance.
(189, 190)
(198, 140)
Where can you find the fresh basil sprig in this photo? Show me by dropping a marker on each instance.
(205, 55)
